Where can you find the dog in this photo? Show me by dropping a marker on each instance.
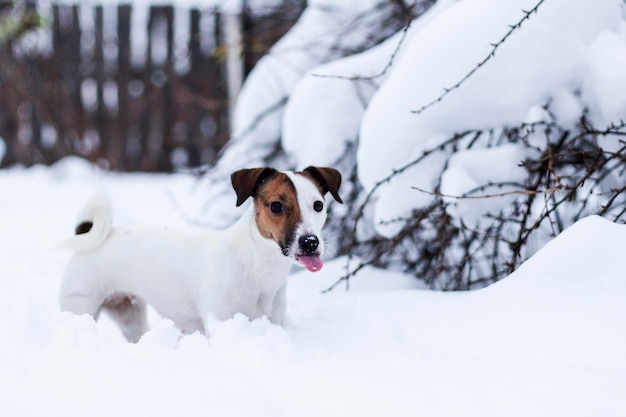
(189, 277)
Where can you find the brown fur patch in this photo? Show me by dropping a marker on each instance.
(279, 227)
(327, 180)
(119, 301)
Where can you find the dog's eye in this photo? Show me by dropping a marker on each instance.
(318, 206)
(277, 207)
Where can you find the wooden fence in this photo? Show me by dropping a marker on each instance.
(87, 86)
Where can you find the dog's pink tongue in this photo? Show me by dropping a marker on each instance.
(312, 263)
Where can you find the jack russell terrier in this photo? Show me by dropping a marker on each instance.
(187, 277)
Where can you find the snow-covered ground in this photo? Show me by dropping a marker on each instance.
(547, 341)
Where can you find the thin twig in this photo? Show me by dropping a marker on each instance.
(470, 197)
(279, 104)
(478, 66)
(382, 72)
(360, 213)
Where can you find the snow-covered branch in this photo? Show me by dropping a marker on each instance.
(481, 234)
(490, 55)
(464, 193)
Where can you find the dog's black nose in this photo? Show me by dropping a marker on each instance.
(308, 244)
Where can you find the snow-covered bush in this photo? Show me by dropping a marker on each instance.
(504, 194)
(468, 139)
(327, 30)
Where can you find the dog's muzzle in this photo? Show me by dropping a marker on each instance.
(308, 254)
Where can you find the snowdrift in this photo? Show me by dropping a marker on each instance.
(547, 340)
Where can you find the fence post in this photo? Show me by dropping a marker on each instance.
(195, 75)
(43, 96)
(233, 29)
(59, 48)
(169, 107)
(101, 114)
(146, 108)
(8, 118)
(123, 79)
(75, 79)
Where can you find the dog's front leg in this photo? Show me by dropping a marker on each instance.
(279, 306)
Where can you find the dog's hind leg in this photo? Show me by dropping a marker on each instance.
(81, 303)
(130, 314)
(80, 292)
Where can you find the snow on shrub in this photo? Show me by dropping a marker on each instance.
(327, 30)
(468, 140)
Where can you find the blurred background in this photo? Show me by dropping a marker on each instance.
(135, 86)
(469, 133)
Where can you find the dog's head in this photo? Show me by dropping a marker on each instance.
(290, 207)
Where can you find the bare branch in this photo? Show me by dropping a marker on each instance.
(485, 196)
(568, 177)
(383, 71)
(492, 54)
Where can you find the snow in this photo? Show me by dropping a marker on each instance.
(545, 341)
(325, 109)
(607, 59)
(320, 134)
(562, 62)
(324, 32)
(498, 94)
(227, 6)
(466, 176)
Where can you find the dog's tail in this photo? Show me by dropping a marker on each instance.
(93, 225)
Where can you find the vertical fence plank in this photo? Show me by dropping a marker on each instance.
(169, 108)
(43, 96)
(123, 79)
(221, 119)
(146, 97)
(34, 83)
(75, 76)
(8, 118)
(146, 108)
(57, 112)
(99, 77)
(32, 65)
(195, 73)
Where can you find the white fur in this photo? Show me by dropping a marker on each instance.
(185, 277)
(312, 221)
(97, 211)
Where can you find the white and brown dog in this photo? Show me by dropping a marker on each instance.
(188, 277)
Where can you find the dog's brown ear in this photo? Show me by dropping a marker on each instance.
(328, 180)
(246, 181)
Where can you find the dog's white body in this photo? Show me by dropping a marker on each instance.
(188, 277)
